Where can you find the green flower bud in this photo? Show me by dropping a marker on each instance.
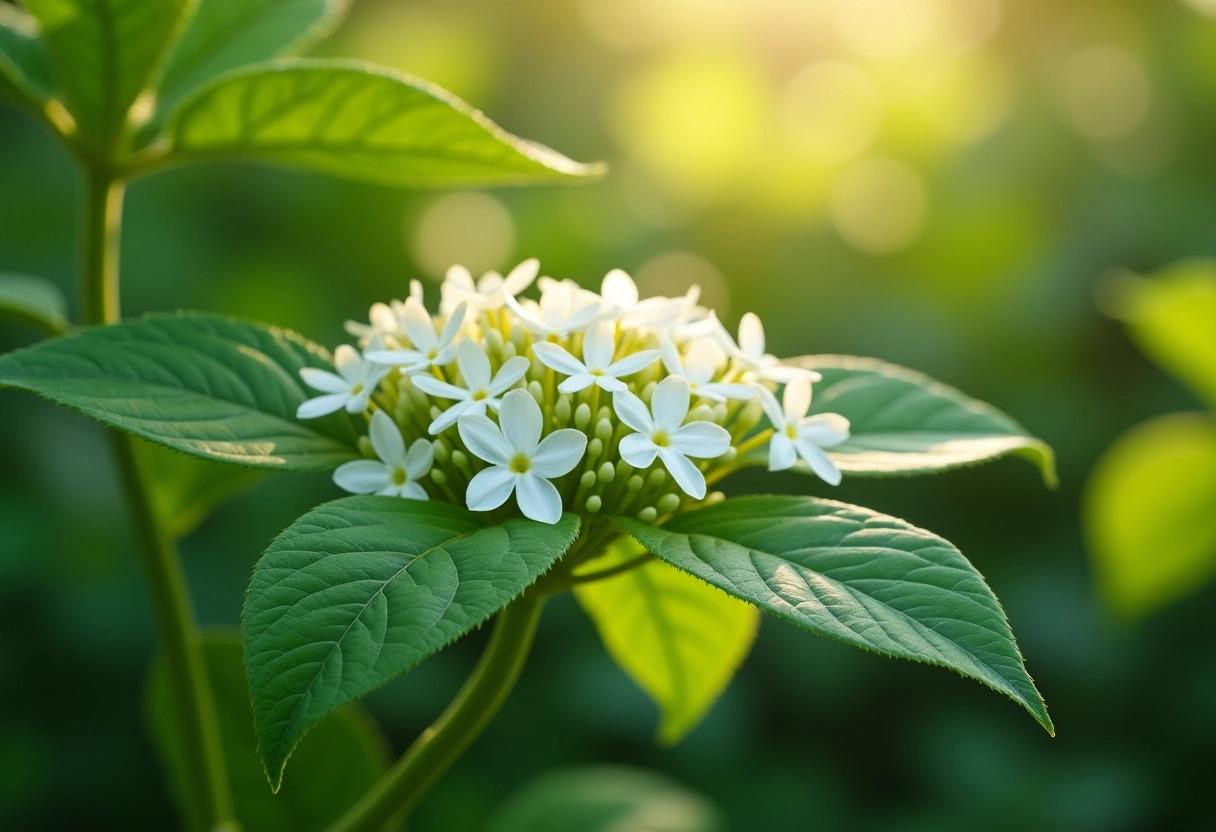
(607, 472)
(669, 503)
(587, 479)
(582, 416)
(648, 514)
(594, 504)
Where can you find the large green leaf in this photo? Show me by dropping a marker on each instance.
(1173, 319)
(361, 589)
(227, 34)
(210, 386)
(106, 52)
(903, 422)
(24, 62)
(1150, 513)
(680, 639)
(606, 799)
(332, 768)
(358, 121)
(850, 573)
(33, 301)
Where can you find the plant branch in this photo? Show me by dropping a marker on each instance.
(180, 640)
(620, 568)
(440, 745)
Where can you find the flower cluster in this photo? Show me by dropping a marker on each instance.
(578, 401)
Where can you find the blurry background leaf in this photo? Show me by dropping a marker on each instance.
(337, 762)
(232, 33)
(357, 121)
(606, 799)
(33, 301)
(24, 61)
(1172, 317)
(187, 489)
(105, 53)
(680, 639)
(1151, 513)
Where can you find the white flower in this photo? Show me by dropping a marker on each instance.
(383, 318)
(666, 436)
(351, 387)
(597, 366)
(564, 308)
(750, 351)
(520, 461)
(797, 435)
(397, 472)
(428, 347)
(480, 389)
(491, 290)
(699, 367)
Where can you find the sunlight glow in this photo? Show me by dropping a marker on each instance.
(469, 228)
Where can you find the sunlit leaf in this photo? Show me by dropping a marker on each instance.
(680, 639)
(606, 799)
(33, 301)
(362, 589)
(357, 121)
(206, 385)
(228, 34)
(24, 62)
(106, 53)
(903, 422)
(333, 766)
(852, 574)
(1150, 513)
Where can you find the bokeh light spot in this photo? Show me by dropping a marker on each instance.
(879, 206)
(1107, 92)
(471, 229)
(830, 112)
(670, 274)
(885, 29)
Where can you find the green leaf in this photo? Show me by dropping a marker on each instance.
(1150, 513)
(866, 579)
(206, 385)
(680, 639)
(606, 799)
(902, 422)
(1172, 318)
(332, 768)
(356, 121)
(106, 52)
(33, 301)
(226, 35)
(186, 489)
(24, 62)
(362, 589)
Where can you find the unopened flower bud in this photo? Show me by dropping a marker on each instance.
(648, 514)
(669, 503)
(607, 472)
(594, 504)
(582, 416)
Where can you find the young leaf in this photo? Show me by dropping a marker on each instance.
(357, 121)
(227, 35)
(902, 422)
(362, 589)
(1150, 513)
(333, 767)
(680, 639)
(33, 301)
(106, 52)
(852, 574)
(24, 62)
(210, 386)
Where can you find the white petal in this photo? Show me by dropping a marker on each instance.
(671, 357)
(346, 359)
(490, 488)
(619, 290)
(509, 373)
(324, 380)
(669, 403)
(483, 438)
(521, 421)
(827, 430)
(358, 401)
(459, 277)
(521, 277)
(363, 476)
(452, 328)
(580, 381)
(418, 326)
(725, 390)
(797, 398)
(774, 370)
(631, 364)
(322, 405)
(396, 357)
(538, 499)
(452, 415)
(819, 462)
(701, 439)
(420, 458)
(781, 452)
(598, 346)
(638, 450)
(474, 365)
(558, 358)
(776, 416)
(751, 336)
(612, 385)
(559, 452)
(632, 411)
(702, 361)
(416, 290)
(435, 387)
(687, 476)
(386, 439)
(414, 491)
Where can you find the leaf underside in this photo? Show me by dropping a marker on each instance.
(34, 301)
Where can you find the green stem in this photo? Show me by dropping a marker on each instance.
(440, 745)
(180, 639)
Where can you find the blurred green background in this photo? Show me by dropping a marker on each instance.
(938, 183)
